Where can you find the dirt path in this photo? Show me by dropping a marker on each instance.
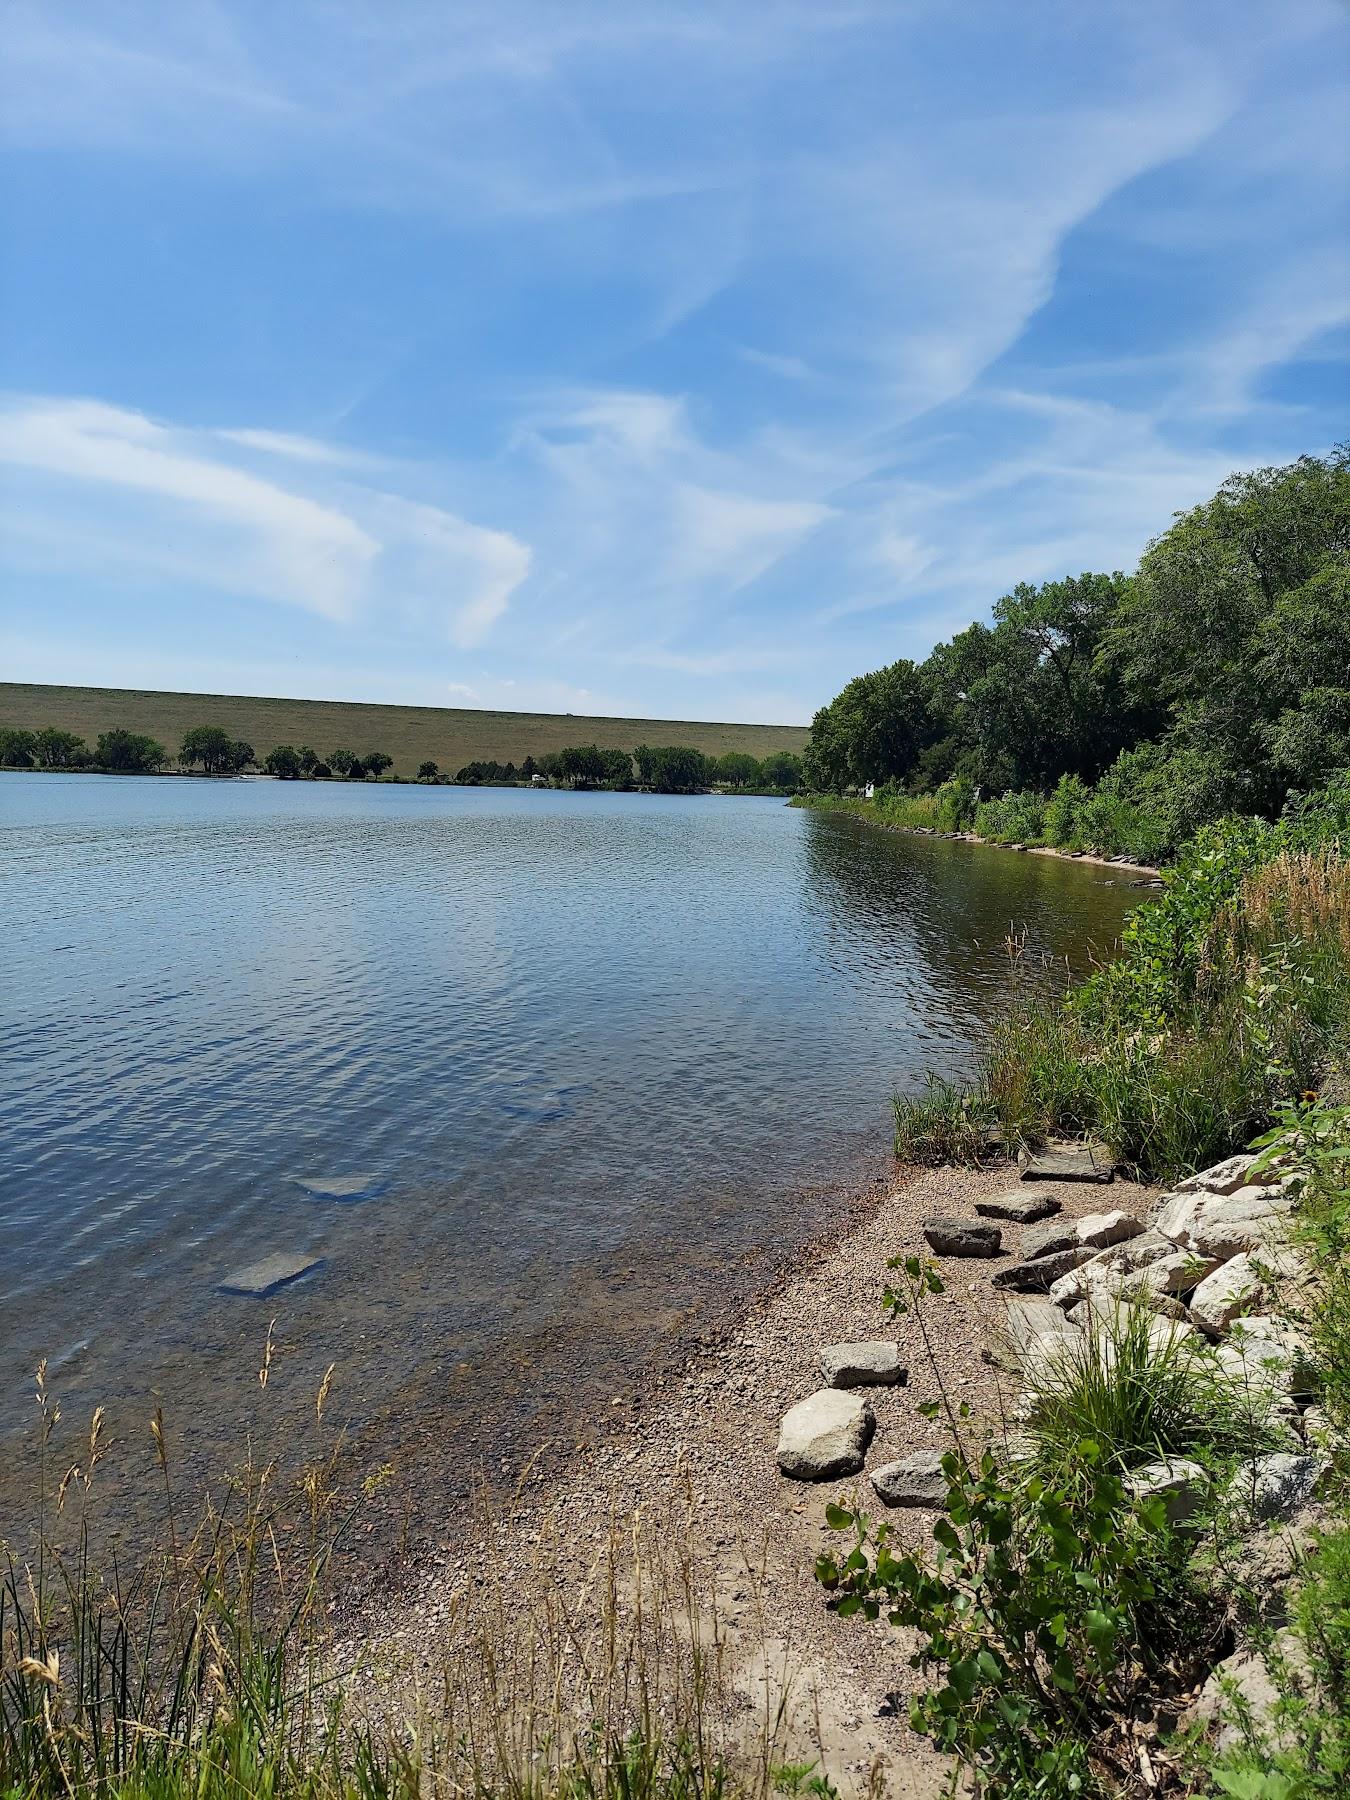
(706, 1452)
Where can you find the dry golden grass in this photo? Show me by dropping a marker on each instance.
(448, 736)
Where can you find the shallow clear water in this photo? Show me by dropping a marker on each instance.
(583, 1052)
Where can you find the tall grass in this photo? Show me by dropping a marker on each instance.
(212, 1668)
(1230, 997)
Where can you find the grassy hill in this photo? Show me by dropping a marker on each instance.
(450, 736)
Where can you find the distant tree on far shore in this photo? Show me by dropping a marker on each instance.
(309, 762)
(427, 771)
(284, 763)
(216, 751)
(16, 747)
(673, 768)
(341, 761)
(129, 752)
(781, 769)
(739, 769)
(54, 749)
(377, 762)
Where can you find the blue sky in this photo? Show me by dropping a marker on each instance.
(674, 360)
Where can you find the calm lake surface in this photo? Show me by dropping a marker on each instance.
(586, 1056)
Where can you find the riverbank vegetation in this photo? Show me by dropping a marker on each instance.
(1230, 996)
(1121, 713)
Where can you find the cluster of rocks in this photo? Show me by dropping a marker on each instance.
(827, 1435)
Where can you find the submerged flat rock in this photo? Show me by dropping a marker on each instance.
(276, 1271)
(341, 1187)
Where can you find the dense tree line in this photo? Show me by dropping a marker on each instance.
(673, 768)
(208, 748)
(1213, 680)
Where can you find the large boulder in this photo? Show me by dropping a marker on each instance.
(1175, 1273)
(825, 1436)
(1099, 1231)
(1071, 1163)
(1049, 1240)
(1279, 1485)
(1030, 1328)
(875, 1363)
(962, 1237)
(915, 1480)
(1225, 1295)
(1038, 1276)
(1017, 1207)
(1224, 1178)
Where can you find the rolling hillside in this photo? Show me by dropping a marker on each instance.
(450, 736)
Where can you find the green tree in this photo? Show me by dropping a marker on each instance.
(16, 747)
(55, 749)
(309, 762)
(581, 764)
(209, 745)
(529, 769)
(284, 763)
(341, 761)
(427, 771)
(129, 752)
(781, 769)
(739, 769)
(673, 768)
(377, 762)
(618, 768)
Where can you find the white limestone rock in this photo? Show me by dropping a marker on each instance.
(1224, 1178)
(1100, 1230)
(825, 1436)
(1225, 1295)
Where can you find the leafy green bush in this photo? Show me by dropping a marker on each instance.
(1013, 819)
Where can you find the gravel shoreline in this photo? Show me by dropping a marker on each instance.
(704, 1449)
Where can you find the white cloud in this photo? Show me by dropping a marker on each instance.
(342, 551)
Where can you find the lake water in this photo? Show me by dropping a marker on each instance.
(588, 1059)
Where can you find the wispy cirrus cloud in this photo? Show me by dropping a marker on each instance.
(337, 551)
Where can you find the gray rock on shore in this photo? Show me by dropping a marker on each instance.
(915, 1480)
(1178, 1483)
(962, 1237)
(825, 1436)
(875, 1363)
(1017, 1207)
(1041, 1274)
(1049, 1240)
(1100, 1231)
(1279, 1485)
(1071, 1164)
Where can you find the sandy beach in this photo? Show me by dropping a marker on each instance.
(699, 1465)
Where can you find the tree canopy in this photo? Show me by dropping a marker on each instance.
(1215, 678)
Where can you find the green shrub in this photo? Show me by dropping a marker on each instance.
(1013, 819)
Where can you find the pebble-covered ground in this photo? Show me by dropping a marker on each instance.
(704, 1452)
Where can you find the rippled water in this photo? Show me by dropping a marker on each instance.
(581, 1053)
